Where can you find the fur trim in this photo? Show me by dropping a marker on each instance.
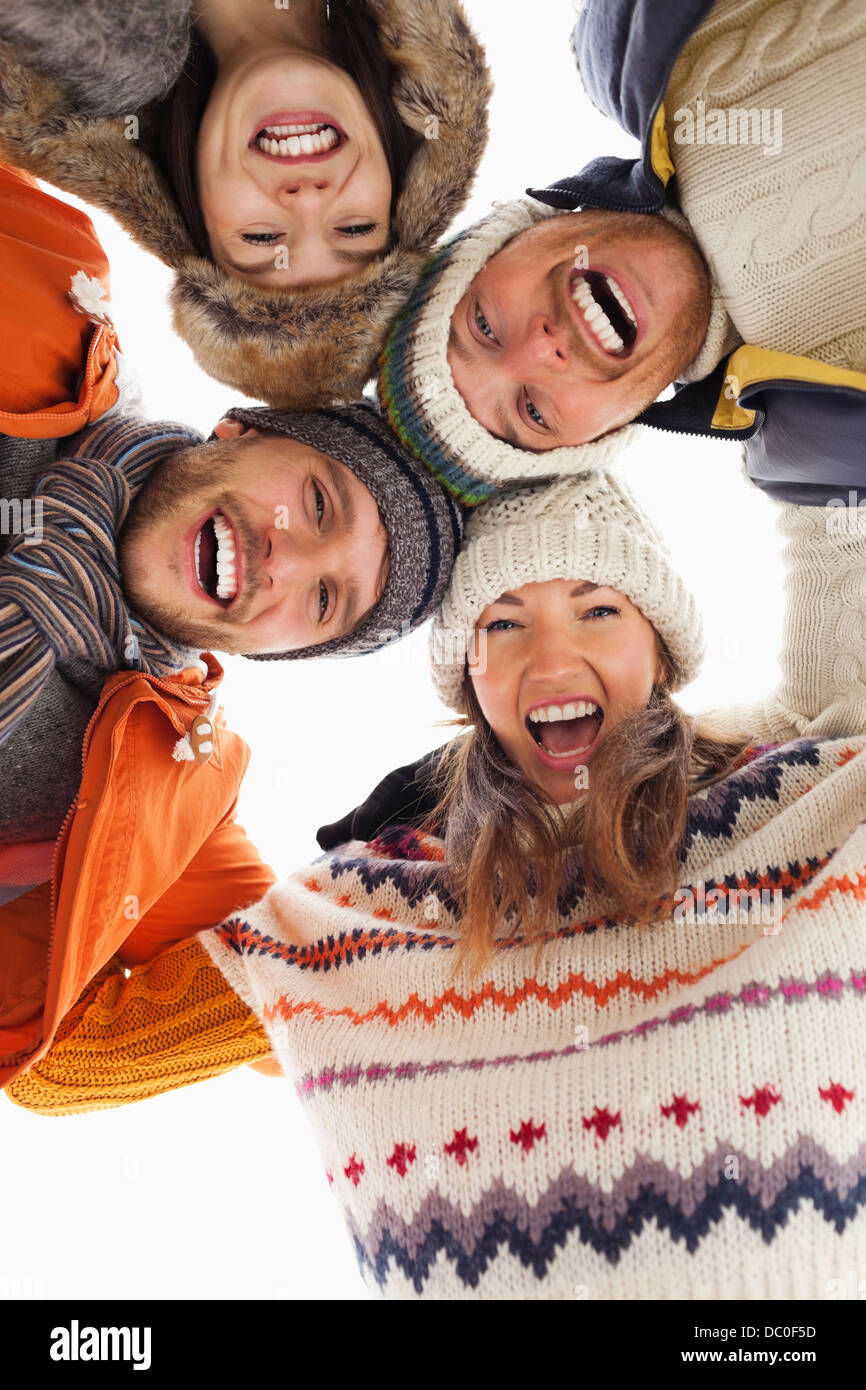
(295, 349)
(110, 57)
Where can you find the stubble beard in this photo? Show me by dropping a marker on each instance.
(169, 492)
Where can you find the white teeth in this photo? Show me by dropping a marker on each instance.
(197, 554)
(292, 140)
(293, 129)
(595, 316)
(227, 582)
(620, 298)
(552, 713)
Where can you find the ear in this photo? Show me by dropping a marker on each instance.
(232, 429)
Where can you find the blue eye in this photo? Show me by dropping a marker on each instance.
(533, 412)
(358, 229)
(483, 325)
(602, 608)
(499, 625)
(323, 599)
(320, 502)
(260, 238)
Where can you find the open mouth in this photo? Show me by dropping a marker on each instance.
(303, 141)
(605, 311)
(565, 730)
(216, 560)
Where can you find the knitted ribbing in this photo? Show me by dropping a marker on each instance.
(60, 591)
(785, 233)
(112, 1046)
(417, 389)
(666, 1112)
(588, 528)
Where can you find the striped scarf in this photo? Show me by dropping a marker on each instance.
(60, 588)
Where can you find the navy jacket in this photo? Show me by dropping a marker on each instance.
(803, 423)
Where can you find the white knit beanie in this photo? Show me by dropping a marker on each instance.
(577, 528)
(417, 390)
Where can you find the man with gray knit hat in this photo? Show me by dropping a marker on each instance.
(537, 335)
(288, 536)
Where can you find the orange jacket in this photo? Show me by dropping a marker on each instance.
(58, 367)
(149, 854)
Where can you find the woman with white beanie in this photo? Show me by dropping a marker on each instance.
(605, 1051)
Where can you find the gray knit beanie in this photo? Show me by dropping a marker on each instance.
(424, 524)
(589, 527)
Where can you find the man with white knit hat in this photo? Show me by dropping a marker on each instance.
(536, 336)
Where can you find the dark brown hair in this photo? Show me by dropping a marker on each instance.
(352, 43)
(628, 825)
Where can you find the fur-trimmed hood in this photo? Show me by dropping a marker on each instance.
(71, 76)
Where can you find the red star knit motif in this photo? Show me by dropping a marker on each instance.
(837, 1095)
(763, 1098)
(400, 1159)
(459, 1145)
(681, 1109)
(527, 1134)
(329, 1176)
(354, 1170)
(602, 1121)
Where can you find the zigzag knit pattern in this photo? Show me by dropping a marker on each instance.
(667, 1112)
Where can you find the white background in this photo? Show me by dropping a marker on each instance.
(216, 1191)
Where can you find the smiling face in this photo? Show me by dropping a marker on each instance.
(546, 354)
(260, 544)
(288, 157)
(562, 662)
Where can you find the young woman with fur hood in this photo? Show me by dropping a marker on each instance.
(574, 1006)
(292, 163)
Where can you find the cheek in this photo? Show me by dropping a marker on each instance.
(495, 686)
(632, 676)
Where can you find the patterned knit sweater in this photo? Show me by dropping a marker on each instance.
(667, 1112)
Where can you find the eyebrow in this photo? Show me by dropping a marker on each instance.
(587, 587)
(347, 257)
(360, 257)
(258, 269)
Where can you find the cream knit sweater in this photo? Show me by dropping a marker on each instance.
(674, 1112)
(784, 233)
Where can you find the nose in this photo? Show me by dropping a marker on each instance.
(555, 657)
(286, 562)
(544, 345)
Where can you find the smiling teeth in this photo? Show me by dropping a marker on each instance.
(620, 299)
(292, 140)
(551, 713)
(227, 580)
(595, 316)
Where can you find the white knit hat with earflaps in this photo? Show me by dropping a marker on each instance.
(588, 527)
